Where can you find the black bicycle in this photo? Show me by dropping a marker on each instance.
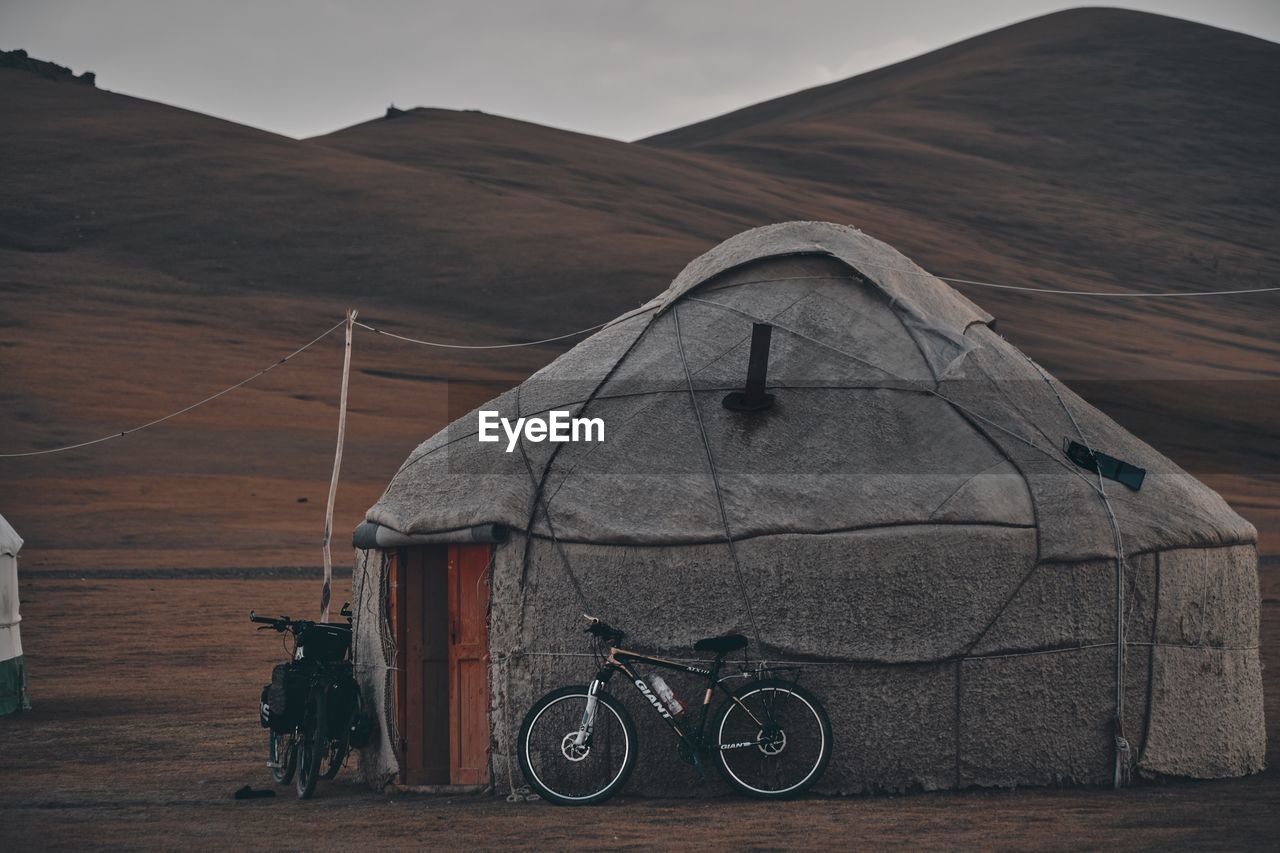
(771, 738)
(311, 708)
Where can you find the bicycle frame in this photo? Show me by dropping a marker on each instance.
(619, 660)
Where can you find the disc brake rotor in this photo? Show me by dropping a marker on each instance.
(571, 749)
(773, 742)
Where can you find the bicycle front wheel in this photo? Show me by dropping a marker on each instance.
(568, 772)
(281, 756)
(772, 739)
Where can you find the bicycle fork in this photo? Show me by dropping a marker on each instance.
(583, 737)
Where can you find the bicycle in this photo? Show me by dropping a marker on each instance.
(312, 707)
(771, 738)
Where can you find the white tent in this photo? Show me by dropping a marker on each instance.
(13, 671)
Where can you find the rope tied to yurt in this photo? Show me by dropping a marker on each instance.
(1123, 764)
(524, 793)
(369, 590)
(442, 345)
(243, 382)
(715, 481)
(540, 483)
(539, 501)
(390, 651)
(521, 793)
(1051, 291)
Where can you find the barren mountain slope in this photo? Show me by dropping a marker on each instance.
(1115, 150)
(117, 181)
(149, 256)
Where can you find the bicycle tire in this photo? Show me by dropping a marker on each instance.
(787, 736)
(280, 751)
(348, 698)
(544, 734)
(311, 747)
(338, 750)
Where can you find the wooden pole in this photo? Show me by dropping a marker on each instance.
(337, 466)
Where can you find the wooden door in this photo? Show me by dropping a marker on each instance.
(424, 652)
(439, 606)
(469, 664)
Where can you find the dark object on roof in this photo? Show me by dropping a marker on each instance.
(1108, 466)
(754, 399)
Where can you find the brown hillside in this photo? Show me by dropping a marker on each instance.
(1094, 149)
(123, 182)
(149, 256)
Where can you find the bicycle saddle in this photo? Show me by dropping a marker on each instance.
(721, 645)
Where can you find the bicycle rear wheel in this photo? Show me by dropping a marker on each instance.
(561, 770)
(312, 743)
(772, 739)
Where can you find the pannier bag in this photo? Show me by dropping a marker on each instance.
(345, 694)
(264, 708)
(286, 697)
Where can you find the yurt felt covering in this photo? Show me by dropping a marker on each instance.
(972, 607)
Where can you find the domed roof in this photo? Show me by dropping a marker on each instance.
(895, 404)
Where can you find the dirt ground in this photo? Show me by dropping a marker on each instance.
(144, 723)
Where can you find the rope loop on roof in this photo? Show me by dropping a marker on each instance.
(1123, 765)
(715, 480)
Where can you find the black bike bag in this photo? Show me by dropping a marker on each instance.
(286, 696)
(264, 708)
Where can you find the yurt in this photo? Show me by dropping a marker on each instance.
(13, 671)
(988, 581)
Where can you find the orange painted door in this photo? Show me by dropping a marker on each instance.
(469, 664)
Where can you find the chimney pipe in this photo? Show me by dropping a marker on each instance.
(754, 398)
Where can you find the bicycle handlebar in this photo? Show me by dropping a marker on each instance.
(284, 623)
(603, 630)
(279, 624)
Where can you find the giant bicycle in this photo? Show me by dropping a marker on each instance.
(770, 738)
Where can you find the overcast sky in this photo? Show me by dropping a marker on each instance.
(619, 68)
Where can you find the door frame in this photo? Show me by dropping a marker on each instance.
(405, 608)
